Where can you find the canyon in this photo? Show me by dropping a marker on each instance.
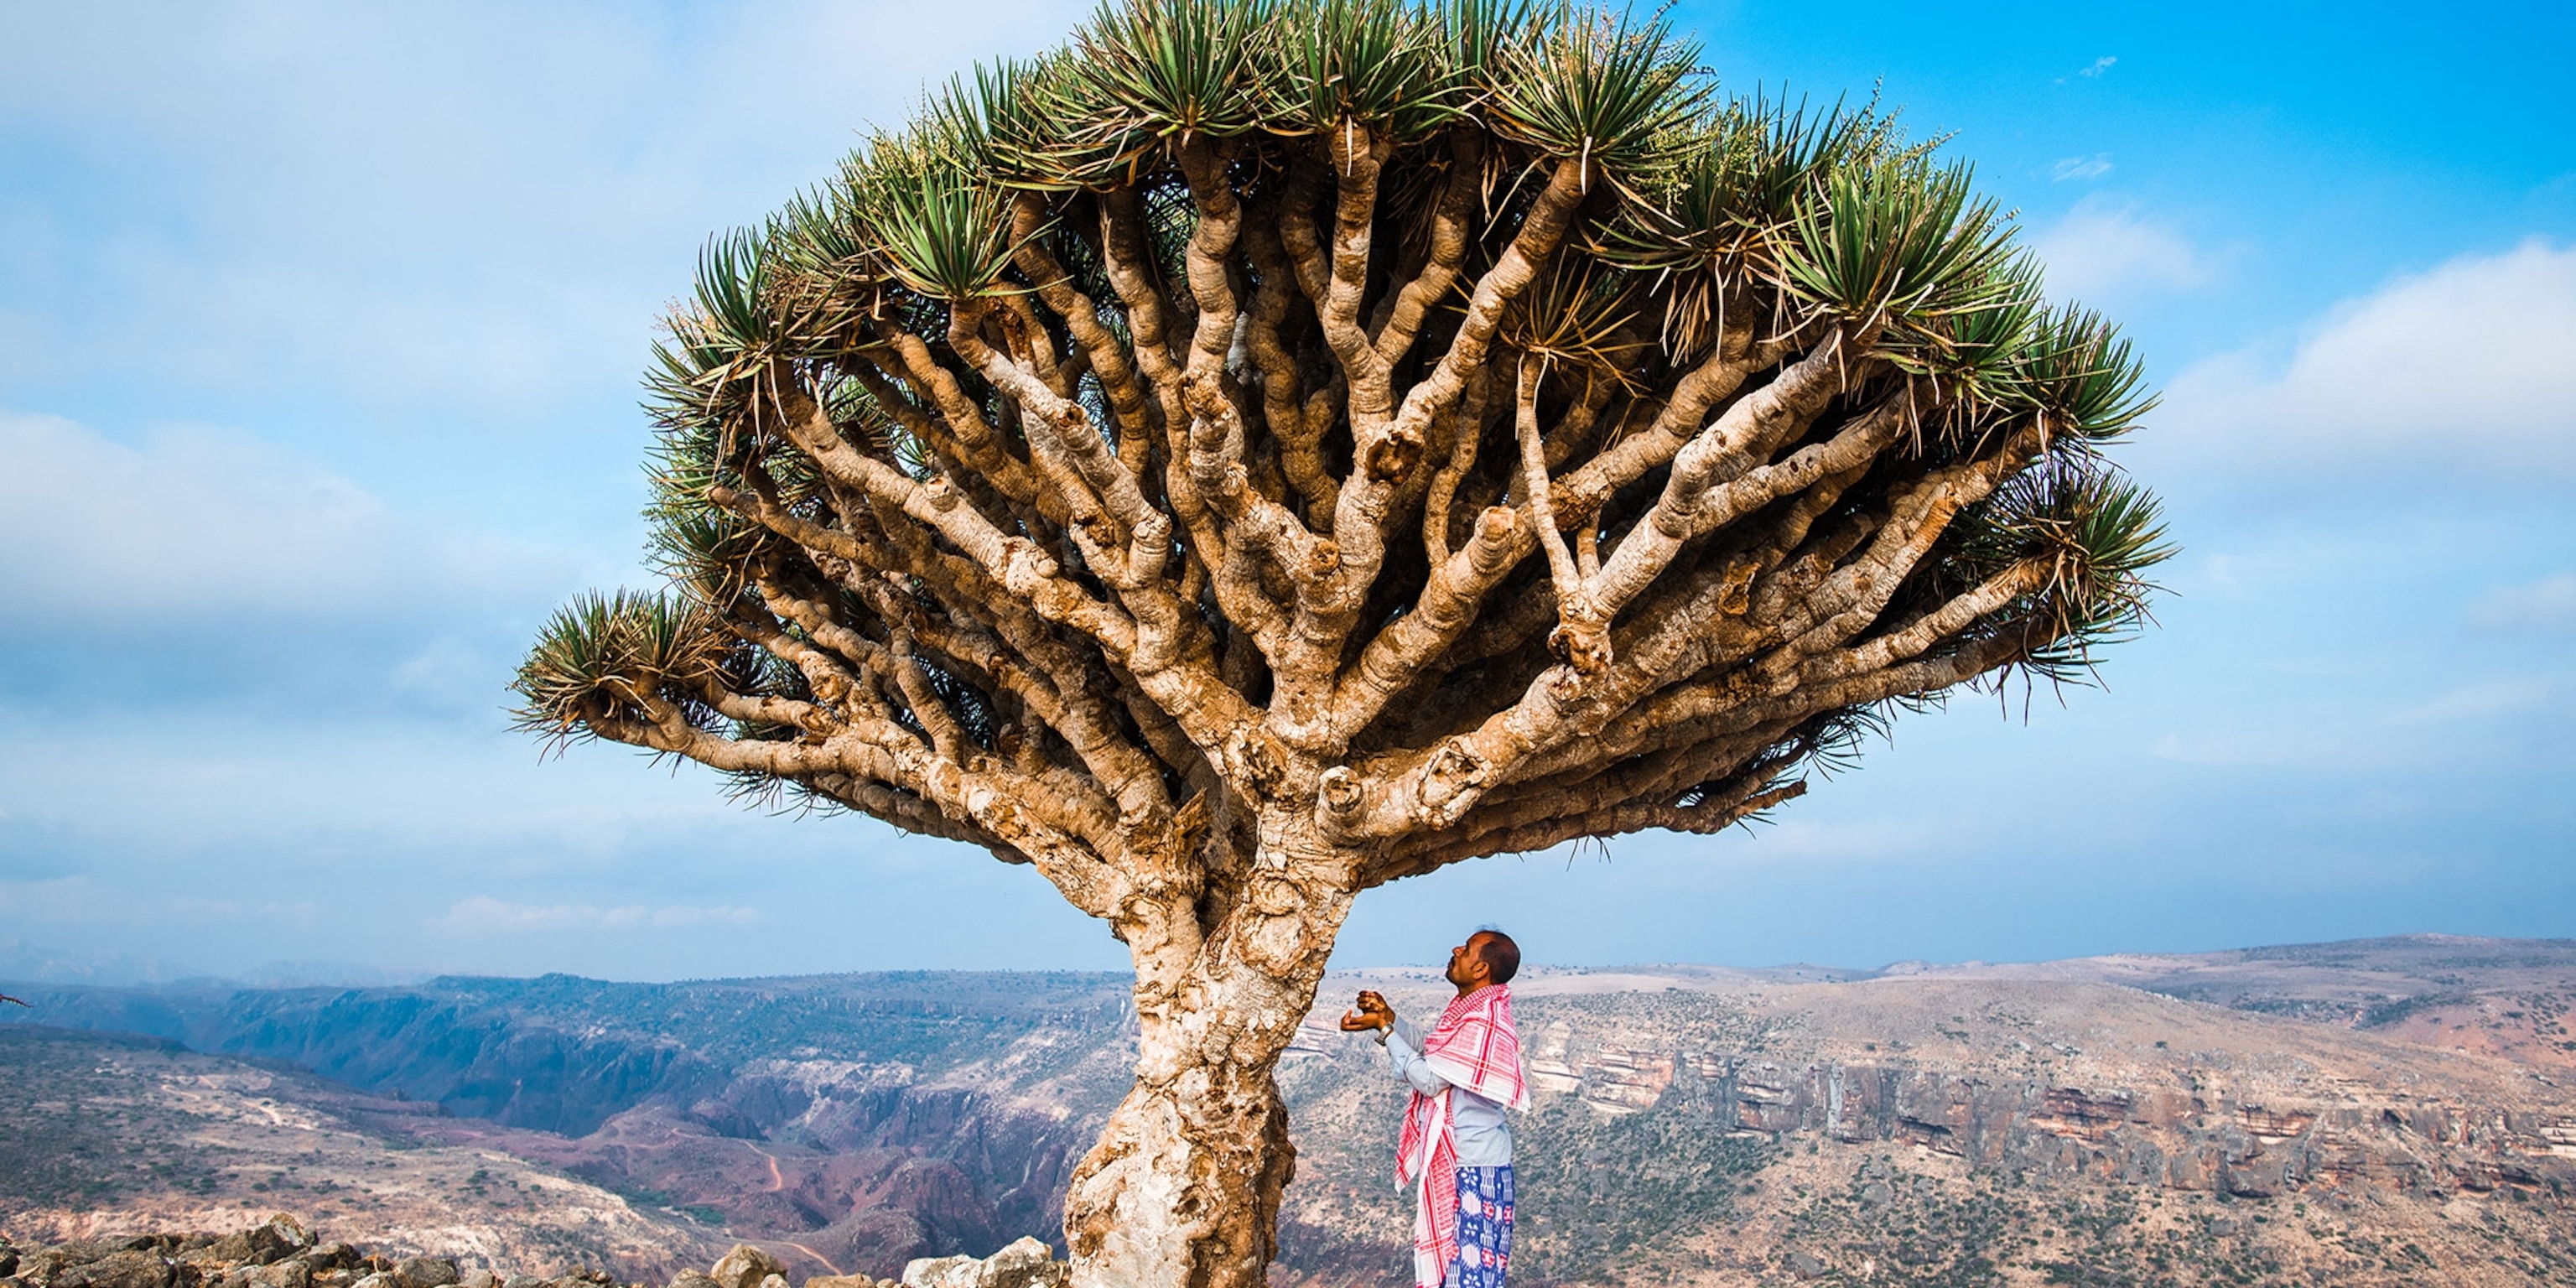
(2378, 1112)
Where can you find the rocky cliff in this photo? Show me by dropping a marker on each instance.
(1692, 1126)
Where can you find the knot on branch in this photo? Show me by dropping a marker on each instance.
(1735, 587)
(1024, 566)
(1455, 770)
(1390, 458)
(1322, 559)
(1340, 789)
(1264, 766)
(1576, 502)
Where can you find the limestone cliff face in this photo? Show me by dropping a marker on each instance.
(2198, 1136)
(874, 1120)
(1720, 1132)
(1690, 1126)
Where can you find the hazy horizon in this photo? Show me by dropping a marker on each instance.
(131, 971)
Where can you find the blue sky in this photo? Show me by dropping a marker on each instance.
(319, 329)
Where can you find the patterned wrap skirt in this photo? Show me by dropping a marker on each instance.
(1484, 1228)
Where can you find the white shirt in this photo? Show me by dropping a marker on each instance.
(1484, 1139)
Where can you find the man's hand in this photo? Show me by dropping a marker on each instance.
(1371, 1012)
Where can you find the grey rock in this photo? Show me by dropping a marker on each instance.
(1028, 1263)
(425, 1272)
(684, 1279)
(1804, 1264)
(290, 1273)
(377, 1280)
(43, 1266)
(331, 1256)
(531, 1281)
(745, 1267)
(285, 1234)
(774, 1281)
(841, 1281)
(478, 1278)
(940, 1272)
(117, 1270)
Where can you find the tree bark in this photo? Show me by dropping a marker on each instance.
(1183, 1188)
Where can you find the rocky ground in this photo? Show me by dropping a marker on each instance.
(2368, 1114)
(281, 1253)
(1727, 1131)
(104, 1135)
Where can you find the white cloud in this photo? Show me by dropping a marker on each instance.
(2470, 365)
(2550, 601)
(474, 205)
(2081, 168)
(2483, 700)
(2100, 65)
(483, 914)
(2102, 248)
(200, 521)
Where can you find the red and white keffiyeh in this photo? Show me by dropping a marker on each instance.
(1473, 1046)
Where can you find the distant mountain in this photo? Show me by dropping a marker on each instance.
(20, 960)
(37, 963)
(2217, 1118)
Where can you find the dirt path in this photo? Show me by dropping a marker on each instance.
(777, 1179)
(827, 1261)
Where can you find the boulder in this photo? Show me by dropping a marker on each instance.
(283, 1233)
(774, 1281)
(425, 1272)
(43, 1267)
(117, 1270)
(290, 1273)
(377, 1280)
(840, 1281)
(940, 1272)
(1028, 1263)
(1805, 1265)
(531, 1281)
(684, 1279)
(276, 1239)
(331, 1256)
(745, 1267)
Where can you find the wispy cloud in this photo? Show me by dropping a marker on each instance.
(2094, 69)
(2463, 368)
(483, 914)
(2076, 169)
(2102, 247)
(2548, 602)
(2481, 700)
(200, 520)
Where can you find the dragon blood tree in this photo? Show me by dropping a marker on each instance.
(1269, 448)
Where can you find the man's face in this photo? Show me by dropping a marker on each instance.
(1467, 958)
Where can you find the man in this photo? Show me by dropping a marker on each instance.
(1464, 1073)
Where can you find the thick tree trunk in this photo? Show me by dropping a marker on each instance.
(1183, 1188)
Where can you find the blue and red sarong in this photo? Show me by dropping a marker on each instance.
(1484, 1228)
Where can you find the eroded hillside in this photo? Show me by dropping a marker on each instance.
(1928, 1126)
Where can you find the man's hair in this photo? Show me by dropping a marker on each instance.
(1500, 955)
